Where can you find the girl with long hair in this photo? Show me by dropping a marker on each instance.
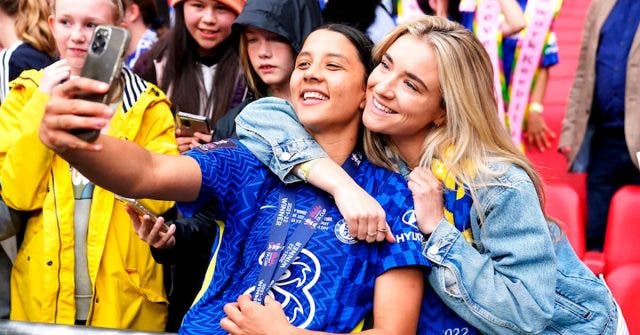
(197, 62)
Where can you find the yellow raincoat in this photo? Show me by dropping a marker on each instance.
(127, 284)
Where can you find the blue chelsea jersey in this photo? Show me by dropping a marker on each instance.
(330, 285)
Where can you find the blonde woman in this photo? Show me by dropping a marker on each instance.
(500, 263)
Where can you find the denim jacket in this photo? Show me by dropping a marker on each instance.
(520, 276)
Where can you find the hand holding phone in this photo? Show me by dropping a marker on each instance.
(140, 209)
(103, 62)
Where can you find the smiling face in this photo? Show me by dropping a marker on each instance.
(271, 56)
(403, 91)
(73, 23)
(208, 22)
(327, 84)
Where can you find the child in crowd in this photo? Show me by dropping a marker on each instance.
(197, 62)
(81, 262)
(138, 19)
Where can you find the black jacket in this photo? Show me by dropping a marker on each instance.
(291, 19)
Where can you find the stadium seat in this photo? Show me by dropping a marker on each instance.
(594, 260)
(623, 282)
(623, 228)
(563, 204)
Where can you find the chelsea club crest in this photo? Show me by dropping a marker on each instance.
(342, 232)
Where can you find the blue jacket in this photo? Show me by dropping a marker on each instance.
(521, 275)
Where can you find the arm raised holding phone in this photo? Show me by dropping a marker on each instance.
(154, 176)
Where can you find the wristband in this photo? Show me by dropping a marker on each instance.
(305, 168)
(536, 107)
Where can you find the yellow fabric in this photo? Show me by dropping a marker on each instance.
(127, 283)
(441, 172)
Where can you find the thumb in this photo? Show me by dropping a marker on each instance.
(389, 235)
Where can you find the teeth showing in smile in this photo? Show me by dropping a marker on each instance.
(314, 95)
(385, 109)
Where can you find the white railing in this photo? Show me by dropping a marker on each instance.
(30, 328)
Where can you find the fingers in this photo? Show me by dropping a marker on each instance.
(160, 234)
(370, 226)
(135, 219)
(371, 236)
(61, 141)
(233, 313)
(195, 142)
(230, 327)
(541, 139)
(63, 113)
(203, 138)
(270, 301)
(565, 151)
(79, 85)
(184, 143)
(381, 228)
(424, 181)
(145, 228)
(244, 301)
(362, 230)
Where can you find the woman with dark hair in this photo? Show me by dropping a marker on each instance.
(197, 62)
(270, 38)
(326, 281)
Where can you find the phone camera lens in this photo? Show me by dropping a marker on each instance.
(98, 45)
(99, 41)
(186, 123)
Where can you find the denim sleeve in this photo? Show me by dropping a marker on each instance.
(270, 129)
(506, 283)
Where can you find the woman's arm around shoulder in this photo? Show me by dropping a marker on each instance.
(269, 128)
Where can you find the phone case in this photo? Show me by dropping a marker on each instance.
(191, 123)
(104, 60)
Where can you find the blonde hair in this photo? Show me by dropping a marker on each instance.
(256, 85)
(472, 135)
(32, 27)
(118, 13)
